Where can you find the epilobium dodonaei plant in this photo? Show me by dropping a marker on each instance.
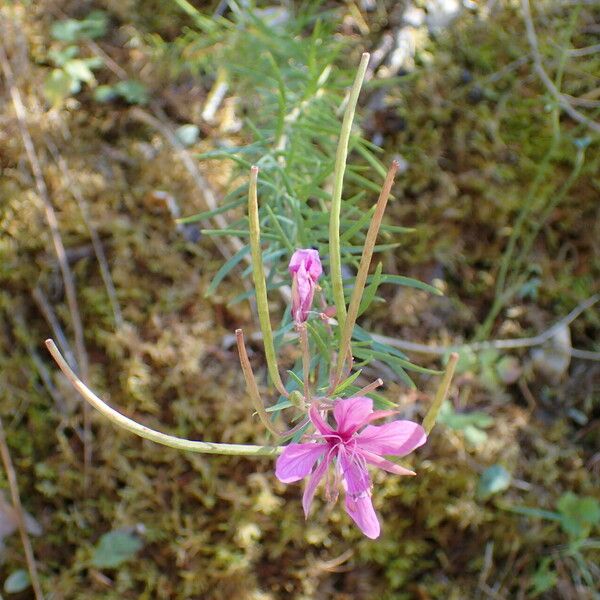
(335, 438)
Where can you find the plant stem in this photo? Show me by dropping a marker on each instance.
(336, 195)
(442, 392)
(16, 500)
(302, 333)
(345, 347)
(151, 434)
(251, 384)
(260, 286)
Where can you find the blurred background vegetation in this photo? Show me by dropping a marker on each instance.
(120, 117)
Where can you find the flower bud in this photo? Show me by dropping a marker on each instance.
(305, 270)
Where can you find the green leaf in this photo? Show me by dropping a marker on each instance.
(115, 548)
(66, 31)
(297, 379)
(410, 282)
(132, 91)
(60, 57)
(578, 514)
(71, 30)
(543, 579)
(493, 480)
(80, 70)
(471, 424)
(475, 436)
(17, 581)
(105, 93)
(58, 86)
(207, 214)
(345, 384)
(226, 269)
(370, 291)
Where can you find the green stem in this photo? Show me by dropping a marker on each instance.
(151, 434)
(335, 258)
(442, 392)
(345, 347)
(260, 285)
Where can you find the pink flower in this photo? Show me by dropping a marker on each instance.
(305, 270)
(351, 446)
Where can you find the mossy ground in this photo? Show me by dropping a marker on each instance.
(224, 528)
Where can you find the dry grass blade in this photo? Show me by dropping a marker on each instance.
(251, 385)
(539, 68)
(96, 241)
(16, 500)
(67, 275)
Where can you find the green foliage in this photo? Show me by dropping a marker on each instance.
(288, 70)
(493, 480)
(72, 30)
(472, 424)
(71, 71)
(578, 515)
(543, 579)
(70, 74)
(133, 92)
(114, 549)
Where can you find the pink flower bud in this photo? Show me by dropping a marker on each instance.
(305, 270)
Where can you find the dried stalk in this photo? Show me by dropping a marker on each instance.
(16, 500)
(69, 283)
(251, 385)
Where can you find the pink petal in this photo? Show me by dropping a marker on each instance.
(360, 508)
(308, 258)
(386, 465)
(312, 484)
(398, 438)
(356, 476)
(297, 460)
(351, 413)
(319, 422)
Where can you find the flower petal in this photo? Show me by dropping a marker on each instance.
(318, 421)
(311, 486)
(386, 465)
(355, 474)
(360, 508)
(297, 460)
(398, 438)
(309, 259)
(351, 413)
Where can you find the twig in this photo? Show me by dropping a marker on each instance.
(508, 344)
(251, 385)
(48, 313)
(96, 242)
(16, 500)
(151, 434)
(587, 50)
(539, 68)
(345, 347)
(82, 359)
